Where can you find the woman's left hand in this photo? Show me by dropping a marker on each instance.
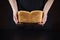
(44, 19)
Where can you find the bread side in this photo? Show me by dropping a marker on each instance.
(36, 16)
(23, 16)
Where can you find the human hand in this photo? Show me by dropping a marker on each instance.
(44, 19)
(15, 19)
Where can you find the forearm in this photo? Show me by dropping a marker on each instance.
(13, 5)
(46, 9)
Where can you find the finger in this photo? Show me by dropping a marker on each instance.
(15, 19)
(40, 24)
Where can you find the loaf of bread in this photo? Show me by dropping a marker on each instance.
(30, 17)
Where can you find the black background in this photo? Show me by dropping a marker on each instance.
(29, 35)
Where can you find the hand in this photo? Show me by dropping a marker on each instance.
(15, 19)
(43, 20)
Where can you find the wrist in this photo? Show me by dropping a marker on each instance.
(15, 11)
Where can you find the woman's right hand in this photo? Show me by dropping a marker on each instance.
(15, 19)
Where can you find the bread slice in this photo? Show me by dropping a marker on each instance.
(30, 17)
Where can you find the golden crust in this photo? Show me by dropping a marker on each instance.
(30, 17)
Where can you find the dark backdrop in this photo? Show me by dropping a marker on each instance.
(12, 34)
